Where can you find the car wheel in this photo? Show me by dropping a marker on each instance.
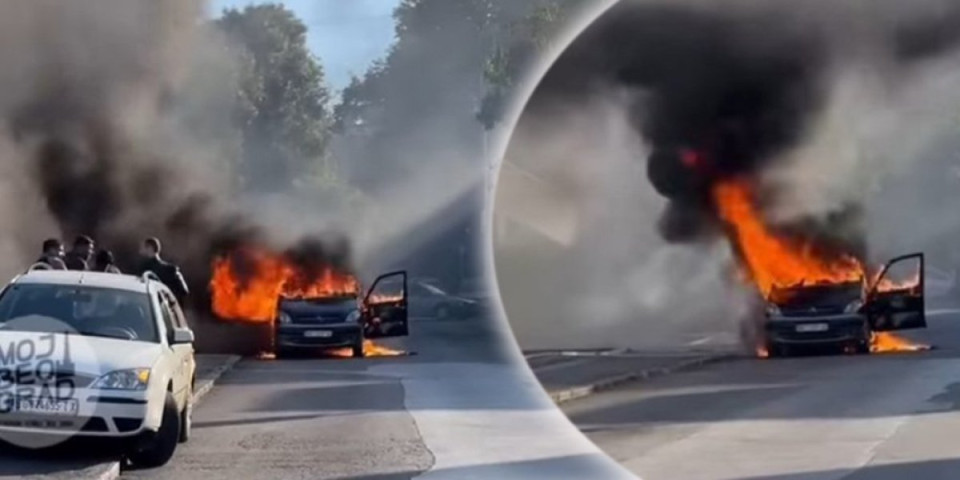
(161, 447)
(862, 348)
(186, 417)
(358, 349)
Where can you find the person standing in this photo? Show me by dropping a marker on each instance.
(78, 258)
(52, 254)
(168, 273)
(104, 262)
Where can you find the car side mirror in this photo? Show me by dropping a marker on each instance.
(182, 336)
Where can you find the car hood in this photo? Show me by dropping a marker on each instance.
(90, 355)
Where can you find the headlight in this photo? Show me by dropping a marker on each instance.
(353, 316)
(773, 309)
(283, 317)
(853, 307)
(132, 379)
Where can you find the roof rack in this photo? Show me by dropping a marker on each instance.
(149, 275)
(39, 266)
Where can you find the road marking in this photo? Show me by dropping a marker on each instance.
(700, 341)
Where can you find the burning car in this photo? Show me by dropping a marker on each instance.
(343, 320)
(847, 314)
(307, 301)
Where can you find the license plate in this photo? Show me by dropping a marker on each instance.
(813, 327)
(318, 334)
(48, 406)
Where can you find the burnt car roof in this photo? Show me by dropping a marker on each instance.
(318, 305)
(819, 294)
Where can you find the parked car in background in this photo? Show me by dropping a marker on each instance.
(939, 283)
(477, 289)
(427, 300)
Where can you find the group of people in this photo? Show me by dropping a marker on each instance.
(82, 257)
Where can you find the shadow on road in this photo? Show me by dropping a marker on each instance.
(559, 468)
(67, 458)
(946, 469)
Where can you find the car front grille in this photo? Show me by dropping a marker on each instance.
(317, 320)
(812, 311)
(95, 424)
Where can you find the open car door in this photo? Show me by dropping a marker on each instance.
(896, 299)
(385, 307)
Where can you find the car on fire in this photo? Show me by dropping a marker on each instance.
(844, 314)
(344, 320)
(126, 353)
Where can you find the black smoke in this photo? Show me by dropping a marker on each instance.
(725, 90)
(103, 129)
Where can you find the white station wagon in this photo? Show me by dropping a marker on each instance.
(95, 354)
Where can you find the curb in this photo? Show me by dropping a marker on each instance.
(215, 374)
(575, 393)
(112, 471)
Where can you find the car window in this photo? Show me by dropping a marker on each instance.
(178, 317)
(91, 311)
(417, 290)
(432, 289)
(166, 315)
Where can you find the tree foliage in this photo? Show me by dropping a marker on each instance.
(421, 100)
(516, 51)
(282, 101)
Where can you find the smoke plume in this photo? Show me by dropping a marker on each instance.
(115, 122)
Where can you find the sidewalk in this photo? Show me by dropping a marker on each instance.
(57, 464)
(568, 376)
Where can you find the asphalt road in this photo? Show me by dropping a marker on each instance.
(458, 409)
(879, 417)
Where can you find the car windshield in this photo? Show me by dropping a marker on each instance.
(819, 295)
(329, 300)
(319, 304)
(88, 311)
(432, 289)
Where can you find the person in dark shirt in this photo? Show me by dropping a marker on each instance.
(168, 273)
(78, 258)
(104, 262)
(52, 254)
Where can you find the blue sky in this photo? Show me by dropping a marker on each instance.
(347, 35)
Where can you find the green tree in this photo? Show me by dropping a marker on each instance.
(418, 105)
(516, 51)
(282, 105)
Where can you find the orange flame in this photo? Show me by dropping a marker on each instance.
(370, 349)
(885, 342)
(887, 285)
(772, 261)
(385, 298)
(252, 296)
